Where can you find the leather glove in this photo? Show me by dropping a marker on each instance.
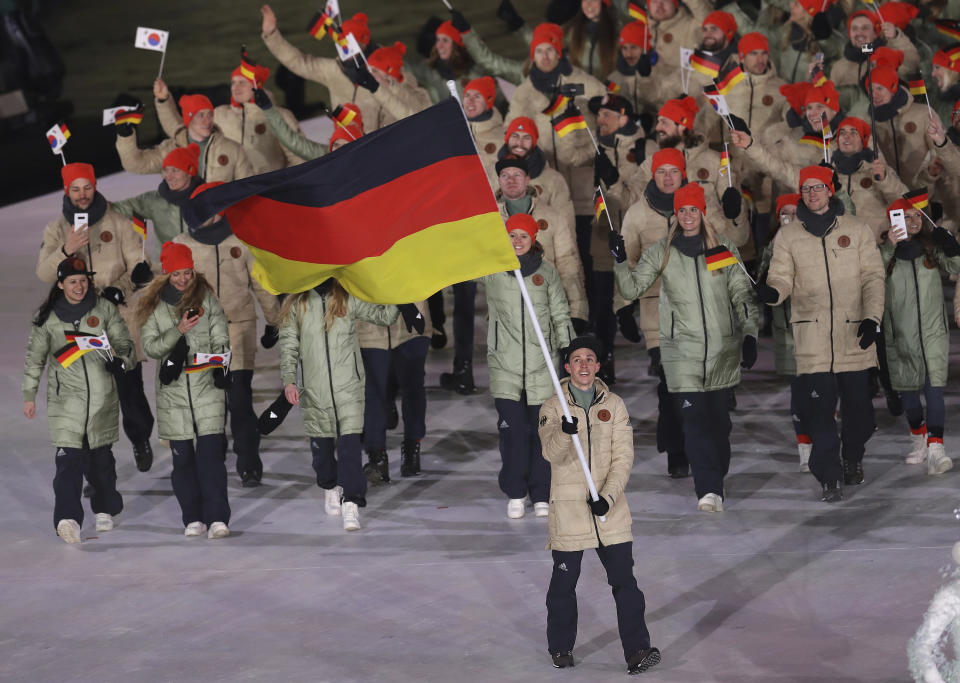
(173, 364)
(748, 352)
(219, 378)
(568, 427)
(363, 78)
(271, 333)
(606, 171)
(732, 202)
(644, 65)
(943, 239)
(580, 326)
(868, 332)
(124, 130)
(628, 324)
(115, 367)
(459, 21)
(261, 99)
(820, 26)
(412, 318)
(113, 295)
(617, 247)
(508, 14)
(767, 294)
(273, 416)
(141, 273)
(598, 507)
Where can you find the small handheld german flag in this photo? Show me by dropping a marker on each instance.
(599, 206)
(568, 122)
(919, 199)
(613, 88)
(131, 116)
(918, 88)
(704, 64)
(68, 354)
(247, 66)
(320, 26)
(948, 27)
(636, 12)
(139, 224)
(724, 161)
(730, 80)
(812, 140)
(558, 104)
(719, 257)
(819, 78)
(345, 114)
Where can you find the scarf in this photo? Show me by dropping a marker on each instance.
(623, 67)
(212, 234)
(70, 313)
(530, 262)
(178, 197)
(536, 160)
(818, 224)
(95, 211)
(848, 164)
(661, 202)
(480, 118)
(521, 205)
(689, 245)
(626, 131)
(171, 294)
(546, 83)
(887, 111)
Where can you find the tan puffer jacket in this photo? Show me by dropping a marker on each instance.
(607, 440)
(647, 94)
(489, 136)
(401, 100)
(385, 337)
(848, 75)
(221, 160)
(904, 142)
(680, 30)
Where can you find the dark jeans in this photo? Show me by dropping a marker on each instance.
(464, 306)
(100, 469)
(669, 426)
(345, 469)
(137, 417)
(562, 598)
(936, 411)
(199, 479)
(407, 362)
(601, 308)
(706, 435)
(584, 226)
(243, 422)
(523, 469)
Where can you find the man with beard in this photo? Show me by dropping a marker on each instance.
(644, 86)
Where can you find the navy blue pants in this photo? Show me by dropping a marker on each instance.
(100, 469)
(706, 436)
(562, 598)
(407, 363)
(464, 307)
(243, 421)
(584, 227)
(669, 425)
(199, 479)
(936, 411)
(344, 470)
(523, 470)
(134, 408)
(601, 308)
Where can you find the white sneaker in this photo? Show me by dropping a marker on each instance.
(541, 509)
(68, 530)
(710, 503)
(105, 522)
(516, 508)
(918, 449)
(218, 530)
(351, 516)
(937, 461)
(331, 501)
(804, 449)
(195, 529)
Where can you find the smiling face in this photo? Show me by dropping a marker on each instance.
(241, 90)
(861, 32)
(914, 220)
(176, 179)
(81, 193)
(474, 103)
(75, 288)
(849, 140)
(880, 95)
(444, 46)
(690, 220)
(669, 132)
(520, 143)
(631, 53)
(181, 278)
(582, 367)
(545, 57)
(591, 8)
(201, 125)
(661, 10)
(712, 38)
(815, 113)
(521, 241)
(816, 195)
(668, 178)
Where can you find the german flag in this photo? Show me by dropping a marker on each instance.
(724, 161)
(813, 140)
(72, 335)
(728, 82)
(567, 123)
(705, 65)
(139, 224)
(67, 355)
(719, 257)
(247, 66)
(66, 131)
(613, 88)
(599, 206)
(395, 216)
(131, 116)
(192, 369)
(345, 114)
(949, 28)
(819, 78)
(559, 103)
(636, 12)
(827, 132)
(918, 88)
(919, 199)
(320, 25)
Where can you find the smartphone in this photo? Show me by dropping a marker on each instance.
(898, 224)
(193, 313)
(80, 221)
(818, 58)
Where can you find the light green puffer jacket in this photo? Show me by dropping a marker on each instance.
(704, 316)
(295, 141)
(192, 405)
(914, 322)
(331, 397)
(514, 358)
(167, 222)
(784, 361)
(81, 398)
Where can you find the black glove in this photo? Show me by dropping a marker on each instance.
(141, 273)
(820, 27)
(427, 37)
(363, 78)
(412, 318)
(617, 247)
(459, 21)
(261, 99)
(598, 507)
(124, 130)
(271, 333)
(748, 352)
(935, 211)
(606, 171)
(562, 11)
(767, 294)
(643, 65)
(273, 416)
(113, 295)
(943, 239)
(219, 378)
(628, 324)
(173, 364)
(568, 427)
(439, 338)
(640, 145)
(115, 367)
(868, 332)
(732, 202)
(580, 326)
(508, 14)
(740, 125)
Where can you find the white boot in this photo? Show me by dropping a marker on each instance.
(516, 507)
(351, 516)
(710, 503)
(105, 522)
(804, 450)
(541, 509)
(69, 530)
(937, 461)
(331, 501)
(918, 448)
(195, 529)
(218, 530)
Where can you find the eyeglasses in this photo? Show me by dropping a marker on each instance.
(807, 189)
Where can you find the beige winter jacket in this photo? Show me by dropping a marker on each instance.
(386, 337)
(680, 30)
(904, 142)
(489, 136)
(221, 160)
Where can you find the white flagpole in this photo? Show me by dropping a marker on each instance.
(729, 167)
(452, 87)
(163, 56)
(447, 4)
(63, 158)
(606, 209)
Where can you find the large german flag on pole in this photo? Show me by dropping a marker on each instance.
(394, 216)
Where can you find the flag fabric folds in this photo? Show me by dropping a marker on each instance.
(814, 140)
(918, 88)
(704, 64)
(139, 224)
(558, 104)
(613, 88)
(68, 354)
(636, 12)
(719, 257)
(730, 80)
(599, 206)
(920, 199)
(948, 27)
(568, 122)
(394, 216)
(131, 116)
(724, 162)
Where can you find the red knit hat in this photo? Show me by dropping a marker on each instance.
(524, 124)
(525, 222)
(690, 194)
(260, 73)
(356, 119)
(826, 95)
(447, 29)
(548, 33)
(486, 86)
(860, 125)
(883, 75)
(751, 42)
(941, 58)
(350, 133)
(787, 200)
(635, 33)
(796, 94)
(681, 112)
(175, 256)
(187, 159)
(887, 55)
(389, 60)
(901, 203)
(821, 173)
(71, 172)
(723, 21)
(190, 105)
(671, 156)
(899, 13)
(872, 16)
(357, 25)
(811, 6)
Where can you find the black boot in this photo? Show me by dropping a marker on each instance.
(607, 371)
(461, 379)
(643, 660)
(852, 472)
(143, 456)
(653, 370)
(832, 492)
(894, 403)
(562, 660)
(439, 337)
(250, 479)
(409, 458)
(377, 468)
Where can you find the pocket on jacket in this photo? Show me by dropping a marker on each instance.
(56, 376)
(570, 515)
(807, 339)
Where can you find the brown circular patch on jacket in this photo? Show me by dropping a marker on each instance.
(767, 100)
(235, 252)
(223, 160)
(668, 37)
(490, 148)
(631, 157)
(260, 128)
(604, 415)
(537, 279)
(542, 224)
(106, 236)
(866, 183)
(911, 127)
(703, 174)
(929, 263)
(843, 241)
(93, 321)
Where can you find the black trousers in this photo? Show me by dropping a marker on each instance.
(584, 226)
(243, 421)
(819, 393)
(438, 316)
(199, 479)
(464, 306)
(706, 435)
(562, 599)
(344, 470)
(601, 308)
(669, 426)
(134, 408)
(406, 362)
(795, 399)
(100, 469)
(523, 470)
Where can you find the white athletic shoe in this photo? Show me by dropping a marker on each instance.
(331, 501)
(516, 507)
(541, 509)
(195, 529)
(68, 530)
(218, 530)
(710, 503)
(918, 449)
(351, 516)
(937, 461)
(804, 449)
(105, 522)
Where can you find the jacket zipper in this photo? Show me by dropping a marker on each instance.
(703, 317)
(326, 349)
(389, 341)
(826, 264)
(523, 347)
(243, 125)
(750, 110)
(86, 379)
(496, 334)
(217, 252)
(896, 147)
(916, 292)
